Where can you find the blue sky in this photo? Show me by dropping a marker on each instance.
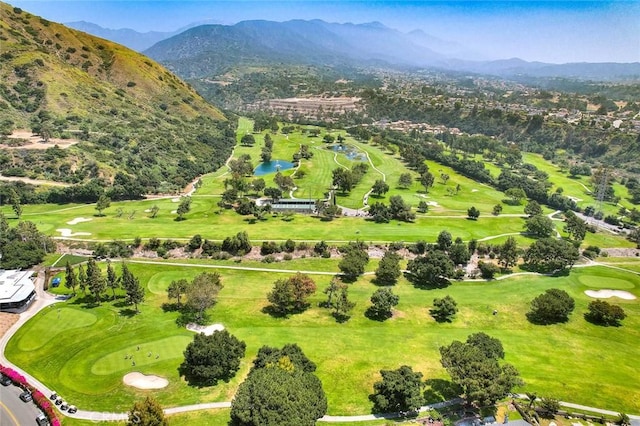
(548, 31)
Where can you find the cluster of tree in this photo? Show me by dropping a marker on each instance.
(475, 367)
(382, 303)
(147, 412)
(272, 247)
(398, 391)
(211, 358)
(397, 209)
(388, 270)
(241, 166)
(280, 390)
(267, 149)
(604, 313)
(200, 295)
(444, 309)
(354, 260)
(22, 246)
(290, 295)
(96, 283)
(345, 180)
(284, 182)
(551, 307)
(550, 255)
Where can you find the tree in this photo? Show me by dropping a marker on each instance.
(258, 185)
(473, 213)
(383, 300)
(353, 262)
(103, 203)
(134, 293)
(184, 207)
(95, 281)
(248, 140)
(380, 187)
(623, 420)
(280, 393)
(338, 299)
(516, 195)
(444, 240)
(488, 270)
(343, 179)
(497, 209)
(70, 278)
(147, 413)
(508, 253)
(575, 227)
(490, 346)
(549, 405)
(444, 309)
(634, 236)
(604, 313)
(154, 211)
(553, 306)
(431, 270)
(405, 180)
(208, 359)
(399, 391)
(532, 208)
(14, 200)
(550, 255)
(202, 292)
(474, 366)
(274, 193)
(177, 288)
(539, 226)
(290, 295)
(400, 210)
(423, 207)
(426, 179)
(388, 270)
(265, 154)
(82, 279)
(113, 282)
(459, 253)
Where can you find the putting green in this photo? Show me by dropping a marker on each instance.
(159, 283)
(148, 353)
(604, 282)
(54, 322)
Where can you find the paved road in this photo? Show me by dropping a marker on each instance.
(14, 412)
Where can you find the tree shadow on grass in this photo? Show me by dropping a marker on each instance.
(375, 315)
(171, 307)
(441, 390)
(128, 312)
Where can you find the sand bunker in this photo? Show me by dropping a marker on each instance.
(605, 294)
(66, 232)
(474, 190)
(142, 381)
(432, 203)
(206, 329)
(79, 220)
(175, 200)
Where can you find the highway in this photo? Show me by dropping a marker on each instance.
(14, 412)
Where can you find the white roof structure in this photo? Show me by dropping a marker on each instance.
(15, 286)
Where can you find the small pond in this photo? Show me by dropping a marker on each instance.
(351, 152)
(272, 167)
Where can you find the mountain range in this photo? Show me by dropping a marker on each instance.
(208, 50)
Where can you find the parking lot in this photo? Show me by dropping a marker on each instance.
(13, 411)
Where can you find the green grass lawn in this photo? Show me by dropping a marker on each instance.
(576, 361)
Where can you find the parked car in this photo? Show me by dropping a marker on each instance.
(42, 420)
(64, 405)
(58, 400)
(26, 396)
(72, 409)
(5, 380)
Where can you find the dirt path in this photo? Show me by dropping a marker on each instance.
(33, 181)
(36, 141)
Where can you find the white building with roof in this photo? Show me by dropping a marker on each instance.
(17, 290)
